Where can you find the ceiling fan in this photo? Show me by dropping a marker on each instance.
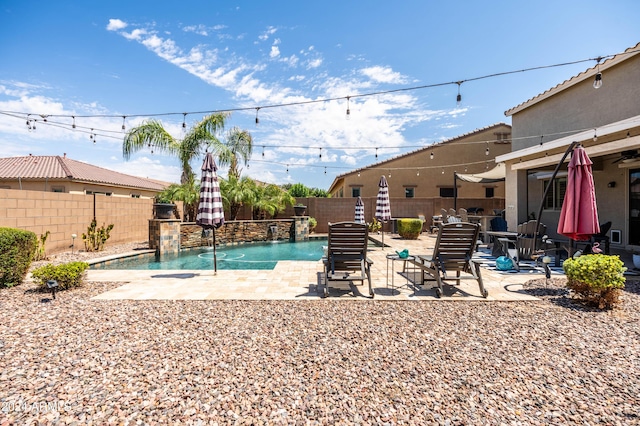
(627, 156)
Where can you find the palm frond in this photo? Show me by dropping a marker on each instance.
(148, 133)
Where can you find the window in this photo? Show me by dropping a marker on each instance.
(503, 137)
(135, 195)
(555, 196)
(488, 192)
(57, 189)
(355, 192)
(108, 194)
(409, 192)
(446, 192)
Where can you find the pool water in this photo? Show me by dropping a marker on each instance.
(237, 257)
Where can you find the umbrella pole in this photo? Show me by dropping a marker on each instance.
(546, 191)
(215, 260)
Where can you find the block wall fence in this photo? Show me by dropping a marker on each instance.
(65, 214)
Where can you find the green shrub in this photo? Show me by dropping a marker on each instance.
(95, 237)
(41, 253)
(17, 248)
(409, 229)
(374, 226)
(596, 278)
(68, 275)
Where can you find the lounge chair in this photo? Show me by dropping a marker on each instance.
(464, 216)
(346, 258)
(452, 253)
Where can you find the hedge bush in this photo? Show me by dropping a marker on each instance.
(596, 278)
(17, 248)
(68, 275)
(409, 229)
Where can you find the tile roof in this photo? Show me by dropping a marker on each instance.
(57, 167)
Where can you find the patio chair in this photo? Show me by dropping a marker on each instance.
(526, 245)
(346, 258)
(462, 213)
(452, 253)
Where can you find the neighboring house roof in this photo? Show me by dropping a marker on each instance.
(587, 74)
(340, 177)
(35, 167)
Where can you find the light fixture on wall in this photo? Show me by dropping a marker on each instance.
(611, 184)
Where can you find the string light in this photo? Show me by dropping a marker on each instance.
(287, 169)
(597, 83)
(459, 97)
(595, 135)
(320, 155)
(73, 126)
(418, 172)
(262, 151)
(443, 170)
(348, 110)
(184, 120)
(376, 153)
(257, 119)
(431, 155)
(358, 173)
(325, 170)
(486, 151)
(124, 117)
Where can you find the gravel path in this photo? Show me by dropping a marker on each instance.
(78, 361)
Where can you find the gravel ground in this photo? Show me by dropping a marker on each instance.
(77, 361)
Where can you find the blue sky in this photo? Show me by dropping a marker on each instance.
(139, 58)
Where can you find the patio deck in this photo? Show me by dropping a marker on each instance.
(297, 280)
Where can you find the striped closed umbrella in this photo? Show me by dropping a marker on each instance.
(383, 205)
(210, 209)
(359, 210)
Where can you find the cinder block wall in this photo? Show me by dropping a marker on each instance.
(65, 214)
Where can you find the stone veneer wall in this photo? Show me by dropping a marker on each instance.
(164, 235)
(241, 231)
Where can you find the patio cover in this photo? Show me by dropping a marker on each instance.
(497, 174)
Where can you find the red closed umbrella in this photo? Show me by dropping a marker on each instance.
(579, 214)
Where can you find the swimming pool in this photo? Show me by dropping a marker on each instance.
(238, 257)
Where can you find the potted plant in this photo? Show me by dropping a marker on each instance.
(300, 209)
(409, 229)
(163, 206)
(374, 226)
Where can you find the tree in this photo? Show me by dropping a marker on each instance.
(151, 133)
(270, 200)
(238, 143)
(237, 192)
(189, 194)
(299, 190)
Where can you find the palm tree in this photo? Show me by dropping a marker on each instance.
(237, 192)
(151, 133)
(238, 143)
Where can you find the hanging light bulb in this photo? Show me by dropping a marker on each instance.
(73, 126)
(459, 97)
(184, 120)
(320, 155)
(348, 110)
(358, 173)
(257, 119)
(418, 173)
(597, 83)
(595, 135)
(262, 151)
(123, 126)
(486, 151)
(389, 174)
(431, 155)
(376, 153)
(287, 169)
(325, 170)
(33, 125)
(628, 134)
(442, 171)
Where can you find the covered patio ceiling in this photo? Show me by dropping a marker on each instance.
(612, 139)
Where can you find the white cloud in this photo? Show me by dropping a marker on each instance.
(314, 63)
(196, 29)
(269, 32)
(275, 52)
(116, 25)
(383, 75)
